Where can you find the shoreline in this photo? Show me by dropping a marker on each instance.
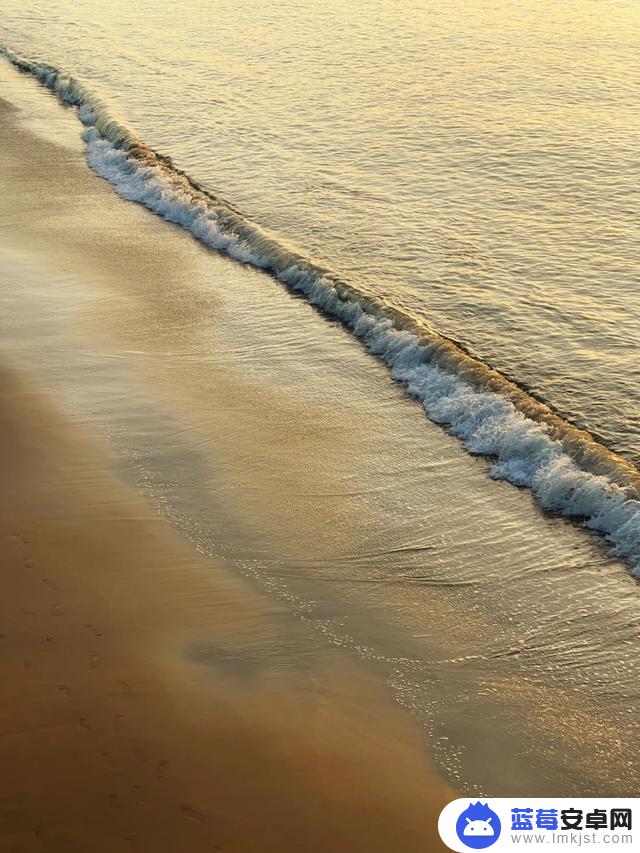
(277, 446)
(530, 445)
(111, 737)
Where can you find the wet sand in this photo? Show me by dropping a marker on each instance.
(112, 739)
(143, 706)
(390, 563)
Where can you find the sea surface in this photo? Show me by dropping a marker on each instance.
(451, 185)
(474, 163)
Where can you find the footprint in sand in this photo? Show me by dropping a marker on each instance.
(117, 722)
(94, 661)
(160, 769)
(193, 814)
(51, 584)
(84, 725)
(64, 689)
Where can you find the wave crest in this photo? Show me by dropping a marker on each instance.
(568, 472)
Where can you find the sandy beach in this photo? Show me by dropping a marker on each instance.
(254, 600)
(141, 708)
(111, 738)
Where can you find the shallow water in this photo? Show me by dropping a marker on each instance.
(470, 162)
(279, 446)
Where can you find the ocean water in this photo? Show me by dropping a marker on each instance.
(472, 163)
(279, 446)
(453, 183)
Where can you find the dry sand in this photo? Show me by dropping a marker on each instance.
(112, 739)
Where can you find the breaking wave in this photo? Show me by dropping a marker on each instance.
(568, 472)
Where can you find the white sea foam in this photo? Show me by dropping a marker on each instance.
(531, 447)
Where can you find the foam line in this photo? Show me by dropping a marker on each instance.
(568, 472)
